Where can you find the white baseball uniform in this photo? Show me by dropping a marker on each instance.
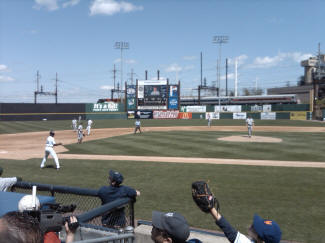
(5, 183)
(49, 150)
(74, 124)
(249, 123)
(90, 122)
(80, 133)
(209, 120)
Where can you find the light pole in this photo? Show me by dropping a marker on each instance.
(219, 39)
(122, 45)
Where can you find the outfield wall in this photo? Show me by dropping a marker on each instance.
(110, 110)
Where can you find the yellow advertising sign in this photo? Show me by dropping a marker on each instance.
(298, 115)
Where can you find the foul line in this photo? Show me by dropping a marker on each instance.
(196, 160)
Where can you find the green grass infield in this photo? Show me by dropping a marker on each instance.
(205, 144)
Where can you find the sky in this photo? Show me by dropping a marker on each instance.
(75, 39)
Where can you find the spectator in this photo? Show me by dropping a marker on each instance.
(17, 227)
(170, 228)
(107, 194)
(26, 204)
(6, 183)
(261, 230)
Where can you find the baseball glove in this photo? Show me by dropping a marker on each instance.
(203, 197)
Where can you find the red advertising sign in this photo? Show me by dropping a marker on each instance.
(185, 115)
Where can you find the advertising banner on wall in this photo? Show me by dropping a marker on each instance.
(256, 108)
(143, 114)
(227, 108)
(131, 114)
(268, 115)
(267, 108)
(239, 115)
(298, 115)
(130, 94)
(173, 103)
(194, 108)
(107, 107)
(165, 114)
(212, 115)
(173, 97)
(185, 115)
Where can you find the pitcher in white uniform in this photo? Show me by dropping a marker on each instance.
(249, 124)
(50, 143)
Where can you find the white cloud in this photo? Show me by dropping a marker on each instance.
(174, 68)
(106, 87)
(189, 58)
(130, 61)
(265, 62)
(70, 3)
(3, 68)
(230, 76)
(6, 79)
(50, 5)
(240, 60)
(189, 67)
(111, 7)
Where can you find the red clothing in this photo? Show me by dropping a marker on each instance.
(51, 237)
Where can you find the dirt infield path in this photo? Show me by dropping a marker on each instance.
(29, 145)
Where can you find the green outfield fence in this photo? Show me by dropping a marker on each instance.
(96, 111)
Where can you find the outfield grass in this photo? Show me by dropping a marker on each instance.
(203, 144)
(294, 197)
(32, 126)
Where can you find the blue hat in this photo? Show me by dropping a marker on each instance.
(268, 230)
(174, 223)
(116, 176)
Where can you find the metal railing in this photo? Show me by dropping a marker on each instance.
(88, 203)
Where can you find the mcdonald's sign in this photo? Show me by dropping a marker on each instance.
(185, 115)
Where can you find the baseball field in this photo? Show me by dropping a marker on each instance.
(278, 173)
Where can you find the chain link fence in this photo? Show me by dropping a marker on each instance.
(86, 200)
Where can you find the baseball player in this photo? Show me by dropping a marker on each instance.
(74, 124)
(137, 126)
(90, 122)
(209, 120)
(50, 143)
(80, 133)
(249, 124)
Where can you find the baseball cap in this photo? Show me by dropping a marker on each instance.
(174, 223)
(268, 230)
(116, 176)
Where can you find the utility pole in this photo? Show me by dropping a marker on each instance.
(131, 75)
(226, 76)
(56, 88)
(201, 68)
(122, 45)
(219, 39)
(236, 81)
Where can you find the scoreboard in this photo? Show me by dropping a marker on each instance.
(152, 94)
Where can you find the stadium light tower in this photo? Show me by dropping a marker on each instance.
(219, 39)
(122, 45)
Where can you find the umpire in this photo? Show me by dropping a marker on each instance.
(115, 219)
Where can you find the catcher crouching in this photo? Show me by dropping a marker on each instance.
(261, 230)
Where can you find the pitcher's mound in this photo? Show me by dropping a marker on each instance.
(254, 139)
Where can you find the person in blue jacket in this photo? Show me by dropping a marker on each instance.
(115, 219)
